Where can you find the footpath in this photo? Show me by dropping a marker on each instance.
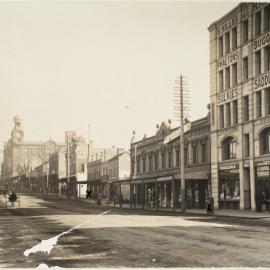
(202, 212)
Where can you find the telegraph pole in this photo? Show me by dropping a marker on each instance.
(180, 101)
(67, 190)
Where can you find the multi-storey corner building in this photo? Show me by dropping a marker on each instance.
(240, 107)
(155, 167)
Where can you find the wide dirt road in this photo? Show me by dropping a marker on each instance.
(128, 238)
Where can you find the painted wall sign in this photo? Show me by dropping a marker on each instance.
(263, 163)
(262, 81)
(261, 41)
(227, 25)
(165, 178)
(226, 61)
(229, 167)
(227, 96)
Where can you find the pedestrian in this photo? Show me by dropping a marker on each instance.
(88, 194)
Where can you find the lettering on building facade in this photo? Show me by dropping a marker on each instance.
(261, 41)
(226, 61)
(262, 81)
(263, 163)
(227, 96)
(229, 167)
(227, 25)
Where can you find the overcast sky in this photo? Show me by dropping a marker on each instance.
(113, 65)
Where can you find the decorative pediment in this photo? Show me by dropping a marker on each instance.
(163, 131)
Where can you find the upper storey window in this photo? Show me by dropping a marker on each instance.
(234, 38)
(258, 18)
(265, 141)
(220, 46)
(245, 30)
(227, 42)
(229, 148)
(267, 19)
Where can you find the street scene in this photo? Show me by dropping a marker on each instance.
(134, 134)
(129, 238)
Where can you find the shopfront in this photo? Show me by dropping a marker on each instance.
(150, 193)
(229, 187)
(136, 194)
(196, 193)
(263, 186)
(165, 192)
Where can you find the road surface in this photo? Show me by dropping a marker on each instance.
(128, 238)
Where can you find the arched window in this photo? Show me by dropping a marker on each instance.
(229, 148)
(265, 141)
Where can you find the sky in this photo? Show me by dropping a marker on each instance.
(113, 65)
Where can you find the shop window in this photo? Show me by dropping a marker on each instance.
(220, 46)
(221, 116)
(229, 189)
(258, 63)
(234, 38)
(227, 42)
(267, 58)
(229, 148)
(246, 145)
(177, 158)
(258, 23)
(194, 154)
(221, 83)
(266, 19)
(245, 68)
(246, 108)
(235, 111)
(265, 141)
(227, 78)
(163, 161)
(263, 190)
(258, 104)
(228, 114)
(234, 74)
(245, 30)
(203, 152)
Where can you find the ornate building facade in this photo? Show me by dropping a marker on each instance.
(240, 107)
(155, 167)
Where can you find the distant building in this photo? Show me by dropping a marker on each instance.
(119, 177)
(155, 167)
(97, 169)
(240, 107)
(21, 156)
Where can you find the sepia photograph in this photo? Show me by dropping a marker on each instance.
(134, 134)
